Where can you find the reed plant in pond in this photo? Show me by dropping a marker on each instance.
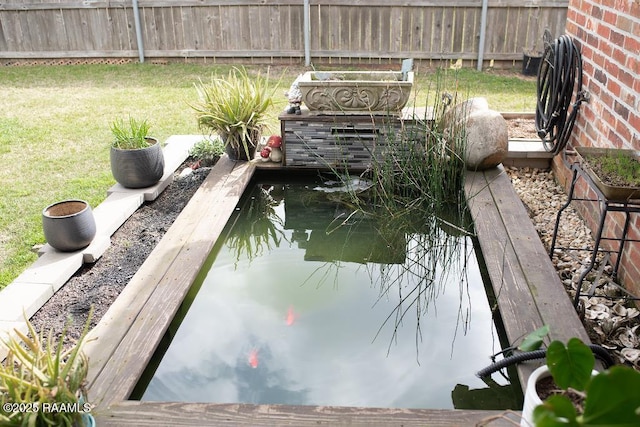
(417, 193)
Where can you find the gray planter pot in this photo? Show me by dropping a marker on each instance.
(69, 225)
(138, 168)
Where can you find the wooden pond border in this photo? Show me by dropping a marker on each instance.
(528, 291)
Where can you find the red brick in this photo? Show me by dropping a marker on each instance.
(580, 19)
(634, 122)
(606, 99)
(623, 23)
(633, 64)
(621, 109)
(614, 139)
(617, 38)
(605, 47)
(610, 17)
(619, 57)
(623, 130)
(603, 31)
(631, 44)
(626, 78)
(613, 87)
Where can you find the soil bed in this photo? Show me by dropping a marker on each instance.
(99, 284)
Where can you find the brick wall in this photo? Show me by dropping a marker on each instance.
(608, 35)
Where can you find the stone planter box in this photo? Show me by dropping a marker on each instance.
(355, 92)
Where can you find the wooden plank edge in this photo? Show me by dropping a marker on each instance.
(212, 414)
(104, 338)
(516, 306)
(548, 292)
(121, 371)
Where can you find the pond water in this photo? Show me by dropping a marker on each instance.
(307, 301)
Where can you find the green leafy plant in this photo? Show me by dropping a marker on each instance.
(235, 108)
(39, 377)
(611, 397)
(207, 151)
(130, 134)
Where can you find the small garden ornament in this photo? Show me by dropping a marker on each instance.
(294, 95)
(275, 143)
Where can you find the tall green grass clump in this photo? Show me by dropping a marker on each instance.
(422, 166)
(416, 195)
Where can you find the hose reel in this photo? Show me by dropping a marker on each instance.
(559, 92)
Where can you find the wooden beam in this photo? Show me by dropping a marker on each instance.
(210, 414)
(126, 337)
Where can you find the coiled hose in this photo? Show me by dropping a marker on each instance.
(598, 351)
(559, 82)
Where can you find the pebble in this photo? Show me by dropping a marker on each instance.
(614, 324)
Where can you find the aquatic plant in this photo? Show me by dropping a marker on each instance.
(417, 194)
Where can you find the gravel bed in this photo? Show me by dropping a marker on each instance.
(611, 322)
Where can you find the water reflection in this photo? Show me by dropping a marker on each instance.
(297, 310)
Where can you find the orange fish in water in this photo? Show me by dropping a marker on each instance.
(253, 358)
(291, 316)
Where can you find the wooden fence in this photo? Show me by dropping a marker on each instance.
(273, 30)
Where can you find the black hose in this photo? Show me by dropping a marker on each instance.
(598, 351)
(559, 82)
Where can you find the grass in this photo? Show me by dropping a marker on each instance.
(55, 136)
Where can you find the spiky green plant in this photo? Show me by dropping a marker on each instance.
(43, 377)
(235, 108)
(130, 134)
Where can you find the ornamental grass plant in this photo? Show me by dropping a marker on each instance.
(235, 107)
(130, 134)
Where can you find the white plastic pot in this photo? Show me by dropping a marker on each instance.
(531, 398)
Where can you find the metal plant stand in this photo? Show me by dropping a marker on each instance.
(627, 207)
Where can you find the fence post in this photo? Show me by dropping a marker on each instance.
(306, 29)
(483, 32)
(136, 20)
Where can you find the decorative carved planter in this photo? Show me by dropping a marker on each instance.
(355, 92)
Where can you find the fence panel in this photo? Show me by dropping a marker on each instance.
(372, 30)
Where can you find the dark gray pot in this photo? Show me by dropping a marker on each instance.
(138, 168)
(69, 225)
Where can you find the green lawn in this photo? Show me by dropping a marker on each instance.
(55, 137)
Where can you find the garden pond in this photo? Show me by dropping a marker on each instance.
(306, 300)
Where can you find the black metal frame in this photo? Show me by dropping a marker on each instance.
(626, 206)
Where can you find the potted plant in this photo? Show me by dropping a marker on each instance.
(68, 225)
(581, 395)
(136, 158)
(43, 384)
(236, 109)
(616, 172)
